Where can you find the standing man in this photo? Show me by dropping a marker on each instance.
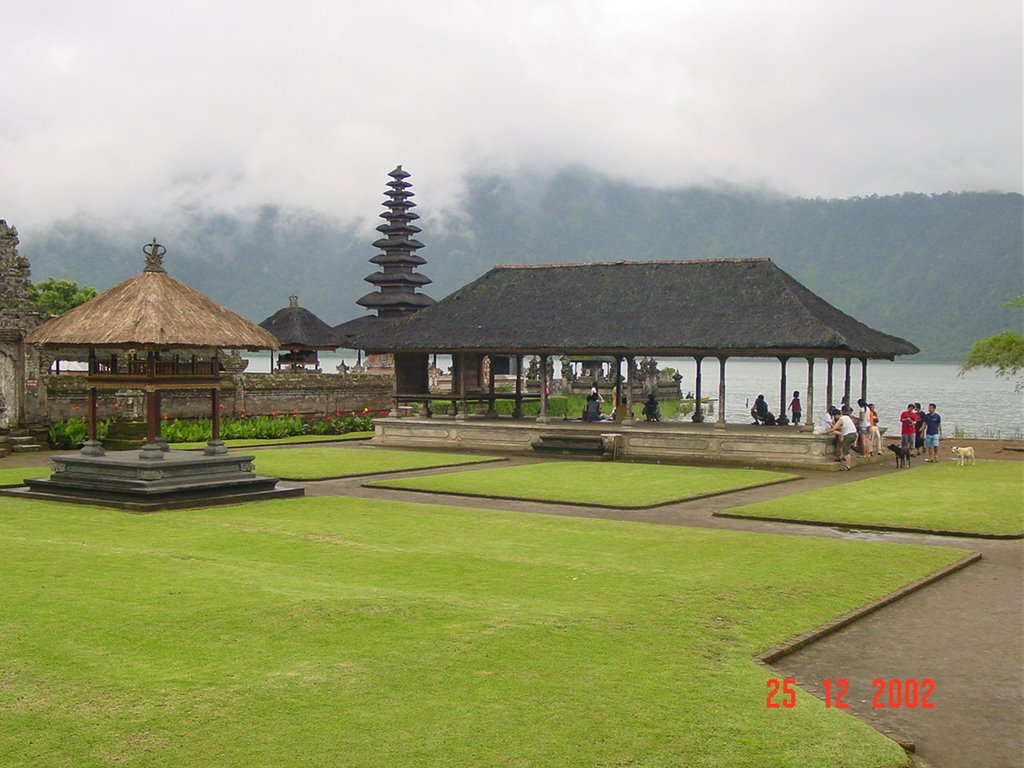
(847, 430)
(932, 433)
(908, 428)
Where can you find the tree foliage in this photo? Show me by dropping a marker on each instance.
(58, 296)
(1003, 351)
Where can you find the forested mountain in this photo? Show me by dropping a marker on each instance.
(930, 268)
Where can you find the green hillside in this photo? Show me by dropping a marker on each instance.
(930, 268)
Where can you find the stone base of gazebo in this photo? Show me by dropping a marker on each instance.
(682, 442)
(180, 479)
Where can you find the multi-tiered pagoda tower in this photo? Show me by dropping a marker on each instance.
(397, 281)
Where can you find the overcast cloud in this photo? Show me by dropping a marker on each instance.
(123, 109)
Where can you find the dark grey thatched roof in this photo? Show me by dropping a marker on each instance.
(746, 307)
(296, 326)
(351, 334)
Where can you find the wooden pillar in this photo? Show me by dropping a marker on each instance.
(698, 410)
(720, 423)
(783, 360)
(829, 383)
(215, 446)
(864, 378)
(543, 416)
(517, 411)
(809, 419)
(491, 412)
(461, 389)
(627, 419)
(151, 450)
(846, 384)
(92, 446)
(617, 389)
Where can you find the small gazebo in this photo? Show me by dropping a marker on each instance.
(301, 335)
(153, 333)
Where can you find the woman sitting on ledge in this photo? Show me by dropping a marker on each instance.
(761, 414)
(651, 410)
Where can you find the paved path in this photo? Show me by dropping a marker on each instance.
(965, 631)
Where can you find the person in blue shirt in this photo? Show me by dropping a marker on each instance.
(932, 433)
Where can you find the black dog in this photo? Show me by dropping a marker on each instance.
(902, 455)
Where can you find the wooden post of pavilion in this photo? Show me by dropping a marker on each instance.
(627, 420)
(864, 378)
(846, 384)
(809, 410)
(783, 360)
(720, 423)
(698, 410)
(215, 447)
(92, 446)
(491, 411)
(543, 417)
(517, 410)
(830, 400)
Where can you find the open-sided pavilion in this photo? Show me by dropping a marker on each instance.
(721, 309)
(153, 333)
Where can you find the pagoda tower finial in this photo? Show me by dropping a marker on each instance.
(397, 281)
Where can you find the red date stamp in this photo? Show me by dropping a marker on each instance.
(894, 693)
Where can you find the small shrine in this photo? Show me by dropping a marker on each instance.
(302, 335)
(153, 333)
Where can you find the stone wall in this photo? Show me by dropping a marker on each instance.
(307, 394)
(18, 315)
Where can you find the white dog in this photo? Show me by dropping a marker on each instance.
(963, 454)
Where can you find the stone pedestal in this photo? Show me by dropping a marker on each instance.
(180, 479)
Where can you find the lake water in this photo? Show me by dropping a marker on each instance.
(979, 404)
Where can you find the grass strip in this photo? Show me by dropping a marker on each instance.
(11, 477)
(322, 463)
(986, 499)
(354, 632)
(617, 484)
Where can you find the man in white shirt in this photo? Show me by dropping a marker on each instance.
(847, 430)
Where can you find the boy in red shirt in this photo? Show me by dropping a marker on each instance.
(908, 428)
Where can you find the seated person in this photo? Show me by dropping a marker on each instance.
(760, 412)
(593, 411)
(651, 410)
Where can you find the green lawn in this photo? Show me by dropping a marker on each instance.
(986, 498)
(351, 632)
(616, 484)
(252, 443)
(12, 476)
(323, 462)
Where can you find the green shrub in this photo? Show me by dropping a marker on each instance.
(262, 428)
(71, 433)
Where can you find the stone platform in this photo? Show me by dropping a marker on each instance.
(177, 480)
(744, 445)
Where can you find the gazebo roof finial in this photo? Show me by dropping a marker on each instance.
(154, 257)
(293, 301)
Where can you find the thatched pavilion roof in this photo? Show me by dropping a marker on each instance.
(741, 307)
(152, 310)
(296, 326)
(351, 333)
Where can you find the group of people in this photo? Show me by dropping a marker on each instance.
(858, 431)
(763, 416)
(920, 430)
(853, 431)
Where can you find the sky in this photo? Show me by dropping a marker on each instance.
(117, 111)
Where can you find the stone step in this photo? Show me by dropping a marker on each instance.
(26, 448)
